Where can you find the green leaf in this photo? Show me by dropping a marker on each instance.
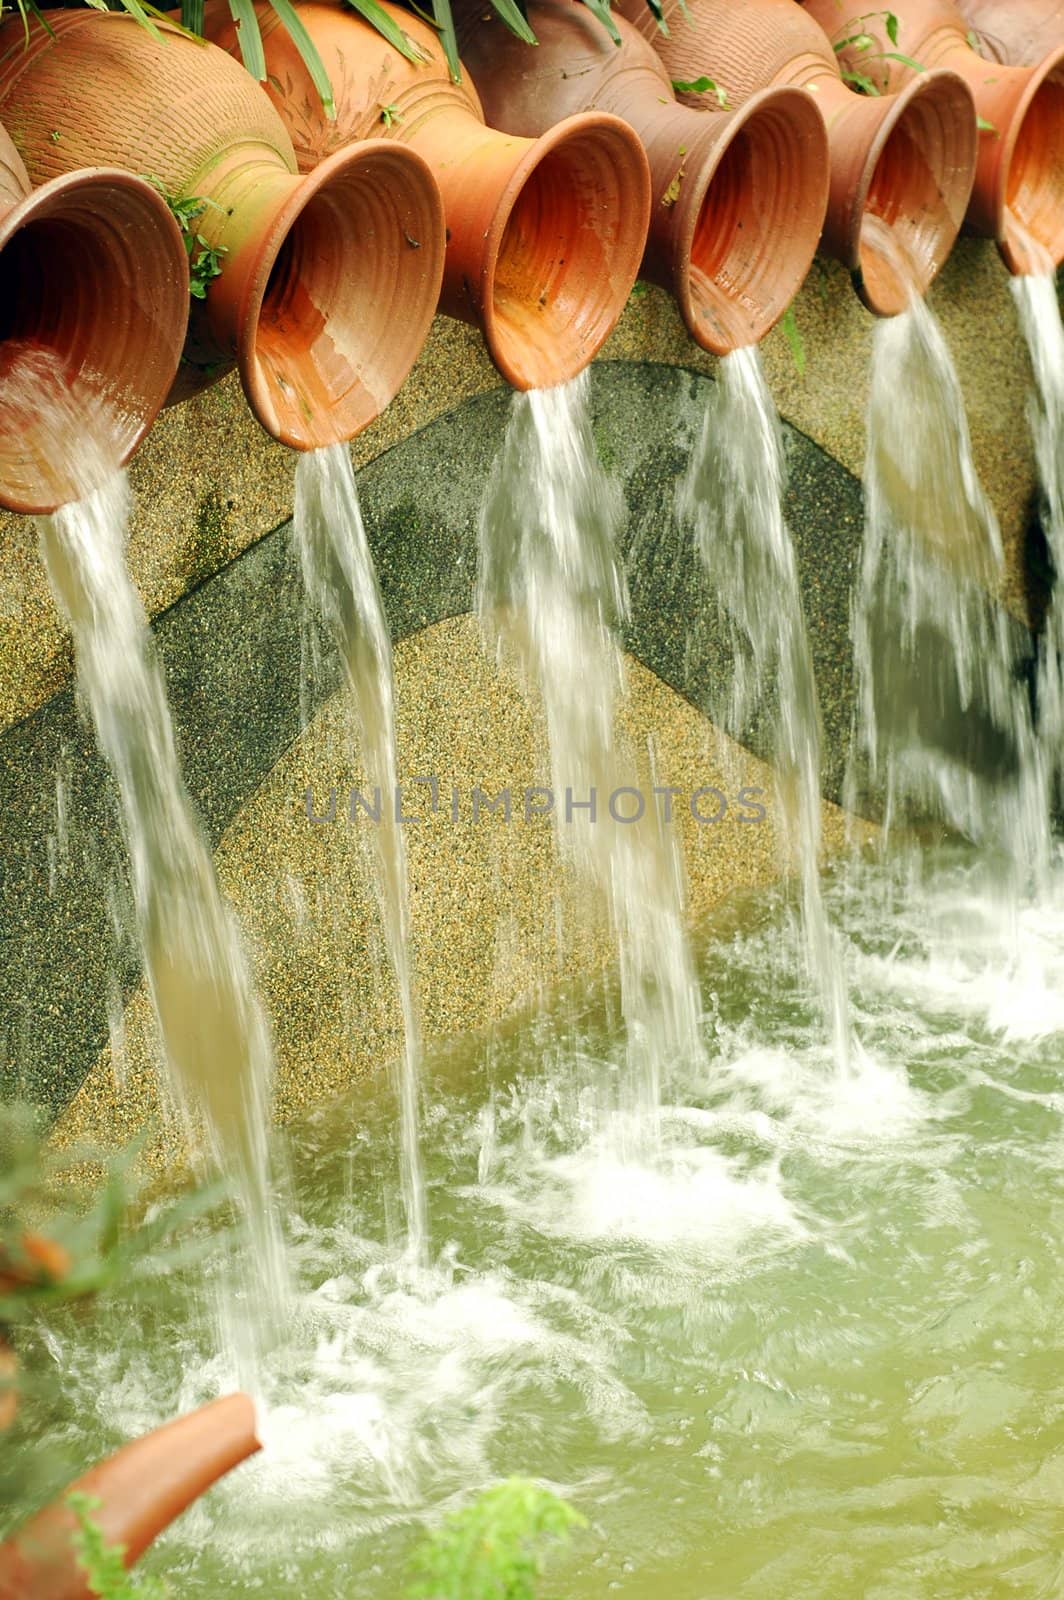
(297, 31)
(515, 20)
(906, 61)
(892, 27)
(859, 81)
(659, 17)
(494, 1548)
(388, 28)
(137, 11)
(28, 9)
(702, 86)
(249, 38)
(445, 23)
(789, 327)
(984, 126)
(601, 10)
(192, 15)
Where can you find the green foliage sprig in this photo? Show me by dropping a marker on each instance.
(865, 44)
(103, 1563)
(94, 1236)
(204, 259)
(495, 1548)
(702, 86)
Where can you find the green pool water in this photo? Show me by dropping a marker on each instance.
(806, 1346)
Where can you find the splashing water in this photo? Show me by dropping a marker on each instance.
(1039, 309)
(214, 1037)
(550, 593)
(341, 585)
(810, 1349)
(943, 721)
(733, 495)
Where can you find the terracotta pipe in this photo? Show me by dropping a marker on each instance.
(1018, 197)
(545, 236)
(1017, 33)
(105, 338)
(328, 283)
(738, 199)
(141, 1489)
(901, 165)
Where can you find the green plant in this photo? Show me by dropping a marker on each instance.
(204, 259)
(59, 1243)
(102, 1563)
(865, 44)
(494, 1549)
(790, 331)
(67, 1237)
(702, 86)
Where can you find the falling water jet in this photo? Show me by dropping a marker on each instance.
(551, 592)
(1039, 308)
(214, 1037)
(733, 496)
(341, 586)
(943, 725)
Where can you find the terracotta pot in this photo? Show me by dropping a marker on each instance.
(1019, 33)
(901, 166)
(141, 1489)
(102, 341)
(545, 236)
(738, 199)
(328, 283)
(1018, 197)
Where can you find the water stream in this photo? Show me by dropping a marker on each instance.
(1039, 308)
(341, 585)
(943, 725)
(733, 495)
(551, 596)
(215, 1041)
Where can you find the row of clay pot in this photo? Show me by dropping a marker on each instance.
(338, 238)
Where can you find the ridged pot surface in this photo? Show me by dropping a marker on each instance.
(1018, 197)
(901, 167)
(545, 236)
(1018, 33)
(738, 199)
(323, 327)
(88, 354)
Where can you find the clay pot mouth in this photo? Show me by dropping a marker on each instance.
(1031, 228)
(915, 190)
(564, 249)
(93, 311)
(342, 295)
(752, 218)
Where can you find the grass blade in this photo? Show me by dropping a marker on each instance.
(308, 50)
(515, 20)
(249, 38)
(137, 11)
(601, 10)
(388, 28)
(445, 23)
